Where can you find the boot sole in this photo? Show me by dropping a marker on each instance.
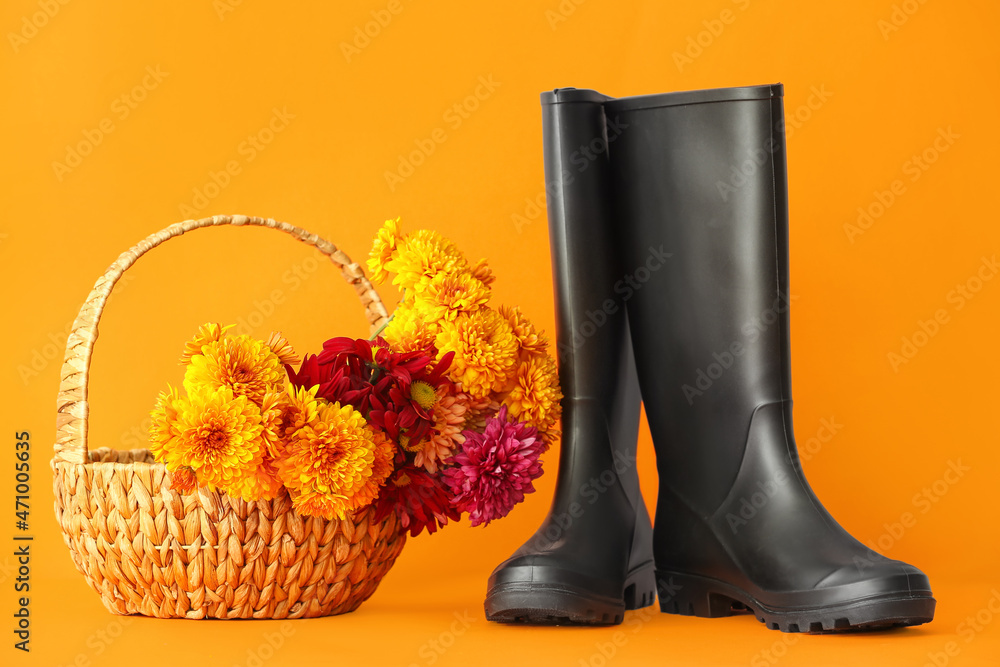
(554, 604)
(692, 595)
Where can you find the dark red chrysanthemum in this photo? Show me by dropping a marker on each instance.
(418, 498)
(394, 391)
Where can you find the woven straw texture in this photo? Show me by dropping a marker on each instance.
(149, 550)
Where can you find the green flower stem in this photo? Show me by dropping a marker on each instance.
(381, 328)
(375, 335)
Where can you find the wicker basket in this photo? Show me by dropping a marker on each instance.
(148, 550)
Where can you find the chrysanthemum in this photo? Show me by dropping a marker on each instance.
(482, 271)
(273, 410)
(493, 470)
(485, 350)
(282, 348)
(477, 411)
(549, 435)
(331, 465)
(207, 333)
(527, 336)
(536, 393)
(217, 435)
(449, 421)
(163, 428)
(244, 364)
(383, 465)
(450, 294)
(183, 480)
(409, 330)
(418, 498)
(419, 257)
(262, 483)
(382, 249)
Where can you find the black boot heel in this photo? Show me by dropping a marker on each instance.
(694, 596)
(640, 587)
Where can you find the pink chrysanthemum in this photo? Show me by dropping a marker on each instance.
(493, 470)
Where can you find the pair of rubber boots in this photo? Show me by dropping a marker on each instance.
(668, 219)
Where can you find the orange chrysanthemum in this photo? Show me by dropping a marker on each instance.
(449, 420)
(549, 436)
(244, 364)
(385, 453)
(536, 394)
(477, 411)
(183, 480)
(485, 350)
(335, 464)
(529, 339)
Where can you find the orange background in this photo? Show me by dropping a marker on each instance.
(224, 66)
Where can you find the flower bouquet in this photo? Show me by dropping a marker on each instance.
(444, 412)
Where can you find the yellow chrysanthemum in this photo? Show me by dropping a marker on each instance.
(483, 271)
(536, 394)
(282, 349)
(262, 483)
(217, 434)
(246, 365)
(419, 257)
(485, 350)
(449, 420)
(207, 333)
(273, 409)
(409, 330)
(163, 429)
(382, 249)
(450, 294)
(330, 465)
(300, 407)
(529, 339)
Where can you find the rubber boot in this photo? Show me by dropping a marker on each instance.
(701, 176)
(592, 557)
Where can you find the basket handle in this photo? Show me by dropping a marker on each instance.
(72, 407)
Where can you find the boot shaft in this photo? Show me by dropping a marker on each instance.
(700, 185)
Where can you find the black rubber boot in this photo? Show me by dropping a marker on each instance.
(701, 175)
(592, 557)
